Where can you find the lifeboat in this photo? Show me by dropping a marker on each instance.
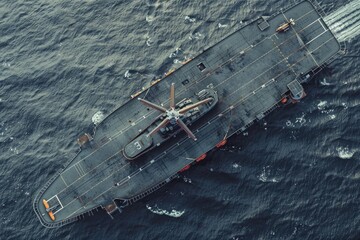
(201, 157)
(221, 143)
(46, 204)
(284, 100)
(51, 215)
(185, 168)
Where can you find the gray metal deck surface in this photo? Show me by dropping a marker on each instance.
(250, 70)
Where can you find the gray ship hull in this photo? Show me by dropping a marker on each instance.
(252, 70)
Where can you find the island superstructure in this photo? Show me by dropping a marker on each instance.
(245, 76)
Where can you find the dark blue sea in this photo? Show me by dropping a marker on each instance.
(294, 176)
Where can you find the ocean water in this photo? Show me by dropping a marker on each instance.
(66, 63)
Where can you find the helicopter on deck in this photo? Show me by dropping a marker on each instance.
(286, 25)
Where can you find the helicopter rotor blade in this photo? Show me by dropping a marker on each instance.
(152, 105)
(161, 125)
(186, 129)
(187, 108)
(172, 96)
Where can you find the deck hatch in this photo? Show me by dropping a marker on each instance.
(201, 66)
(263, 24)
(186, 81)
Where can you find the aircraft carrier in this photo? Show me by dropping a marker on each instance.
(172, 124)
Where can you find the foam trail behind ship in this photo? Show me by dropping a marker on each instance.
(345, 22)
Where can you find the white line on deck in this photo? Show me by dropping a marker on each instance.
(60, 204)
(322, 25)
(77, 170)
(127, 127)
(152, 161)
(59, 201)
(317, 36)
(312, 57)
(121, 131)
(81, 168)
(313, 22)
(63, 180)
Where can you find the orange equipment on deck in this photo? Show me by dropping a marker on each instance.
(51, 215)
(221, 143)
(46, 204)
(201, 157)
(185, 168)
(284, 100)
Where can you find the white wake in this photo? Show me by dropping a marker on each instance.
(98, 117)
(345, 21)
(172, 213)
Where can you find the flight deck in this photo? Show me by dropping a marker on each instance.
(252, 71)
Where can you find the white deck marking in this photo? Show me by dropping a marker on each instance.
(285, 58)
(312, 57)
(59, 201)
(322, 25)
(147, 165)
(60, 205)
(51, 198)
(317, 37)
(310, 53)
(81, 168)
(223, 64)
(317, 20)
(74, 166)
(63, 180)
(140, 119)
(220, 66)
(284, 16)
